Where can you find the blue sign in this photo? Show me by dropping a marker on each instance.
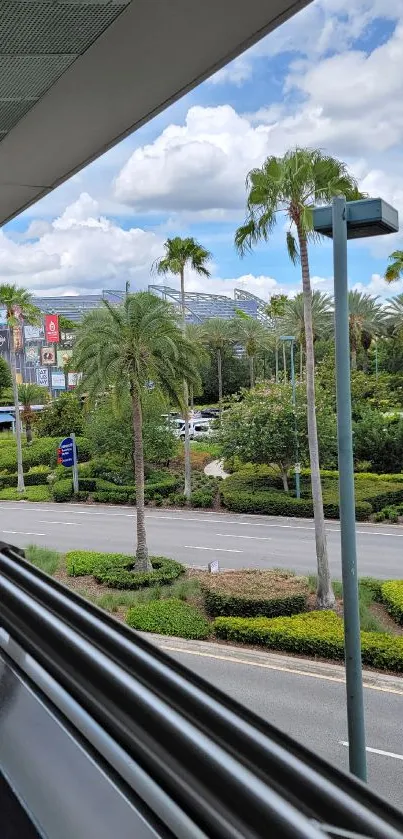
(65, 454)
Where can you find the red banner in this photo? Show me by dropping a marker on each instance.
(52, 329)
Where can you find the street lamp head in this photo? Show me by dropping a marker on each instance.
(367, 217)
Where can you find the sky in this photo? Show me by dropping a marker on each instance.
(329, 78)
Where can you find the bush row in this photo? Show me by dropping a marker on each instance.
(280, 504)
(313, 634)
(218, 603)
(169, 617)
(392, 597)
(36, 476)
(31, 493)
(42, 451)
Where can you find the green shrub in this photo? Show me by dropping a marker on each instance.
(8, 480)
(114, 496)
(168, 617)
(164, 487)
(62, 490)
(218, 603)
(37, 476)
(81, 563)
(34, 493)
(392, 596)
(177, 499)
(313, 634)
(110, 468)
(87, 484)
(202, 498)
(117, 571)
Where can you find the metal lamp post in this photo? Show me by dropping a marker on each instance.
(291, 339)
(341, 221)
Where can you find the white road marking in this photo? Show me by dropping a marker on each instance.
(67, 523)
(376, 751)
(224, 550)
(22, 533)
(238, 536)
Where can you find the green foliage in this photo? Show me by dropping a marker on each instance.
(62, 417)
(202, 498)
(5, 376)
(82, 563)
(235, 374)
(379, 439)
(43, 558)
(118, 572)
(312, 634)
(163, 487)
(31, 493)
(62, 491)
(114, 496)
(392, 596)
(169, 617)
(219, 603)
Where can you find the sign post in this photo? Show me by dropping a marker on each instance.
(67, 456)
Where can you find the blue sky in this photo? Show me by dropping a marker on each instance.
(331, 78)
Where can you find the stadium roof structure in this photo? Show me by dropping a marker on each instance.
(201, 307)
(77, 76)
(75, 306)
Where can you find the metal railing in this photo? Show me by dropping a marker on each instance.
(193, 761)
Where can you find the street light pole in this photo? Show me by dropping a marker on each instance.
(290, 338)
(352, 639)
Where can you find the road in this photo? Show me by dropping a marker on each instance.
(196, 538)
(307, 700)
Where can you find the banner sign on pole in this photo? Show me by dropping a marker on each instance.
(17, 338)
(52, 329)
(73, 379)
(42, 376)
(63, 357)
(65, 452)
(32, 354)
(32, 333)
(58, 381)
(48, 355)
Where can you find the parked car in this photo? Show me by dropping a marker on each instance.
(197, 428)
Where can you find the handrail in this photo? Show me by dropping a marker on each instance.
(233, 774)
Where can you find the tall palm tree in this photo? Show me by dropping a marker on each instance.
(180, 254)
(367, 320)
(218, 334)
(395, 269)
(19, 307)
(28, 395)
(124, 348)
(275, 310)
(292, 185)
(394, 313)
(253, 337)
(293, 320)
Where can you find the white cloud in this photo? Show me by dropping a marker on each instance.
(236, 72)
(80, 250)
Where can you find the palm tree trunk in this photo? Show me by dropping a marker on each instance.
(252, 371)
(276, 356)
(188, 467)
(301, 363)
(324, 596)
(28, 431)
(284, 364)
(219, 371)
(142, 560)
(18, 436)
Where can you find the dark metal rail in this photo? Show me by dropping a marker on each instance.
(199, 764)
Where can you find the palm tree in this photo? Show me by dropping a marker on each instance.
(180, 254)
(292, 185)
(275, 310)
(394, 313)
(366, 321)
(395, 269)
(28, 395)
(121, 349)
(253, 337)
(18, 304)
(293, 320)
(218, 334)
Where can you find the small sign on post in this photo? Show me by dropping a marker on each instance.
(214, 567)
(67, 456)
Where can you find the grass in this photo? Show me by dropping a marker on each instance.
(113, 602)
(258, 585)
(214, 449)
(43, 558)
(366, 597)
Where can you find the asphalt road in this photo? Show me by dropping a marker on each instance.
(196, 538)
(309, 706)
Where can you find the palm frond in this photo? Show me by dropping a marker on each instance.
(292, 248)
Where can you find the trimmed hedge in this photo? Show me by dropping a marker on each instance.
(31, 493)
(42, 451)
(118, 572)
(113, 496)
(313, 634)
(62, 490)
(218, 603)
(163, 487)
(392, 597)
(81, 563)
(169, 617)
(36, 476)
(280, 504)
(202, 498)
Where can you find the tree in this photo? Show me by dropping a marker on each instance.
(293, 184)
(253, 337)
(120, 350)
(236, 374)
(18, 305)
(180, 254)
(275, 310)
(62, 417)
(28, 395)
(366, 320)
(217, 333)
(5, 377)
(293, 320)
(395, 269)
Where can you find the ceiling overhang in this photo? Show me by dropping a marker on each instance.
(77, 76)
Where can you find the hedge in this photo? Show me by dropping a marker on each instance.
(218, 603)
(36, 476)
(42, 451)
(280, 504)
(81, 563)
(117, 571)
(62, 490)
(31, 493)
(313, 634)
(392, 596)
(163, 487)
(169, 617)
(202, 498)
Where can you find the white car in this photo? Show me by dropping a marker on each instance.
(197, 428)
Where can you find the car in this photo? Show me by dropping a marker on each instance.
(197, 428)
